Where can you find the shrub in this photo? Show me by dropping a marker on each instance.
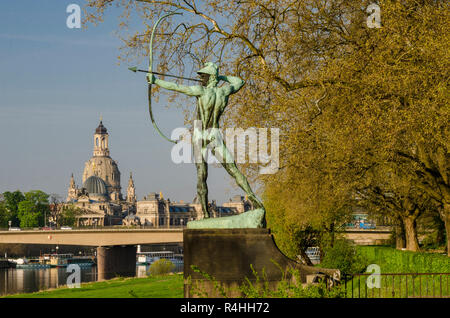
(161, 267)
(260, 287)
(343, 255)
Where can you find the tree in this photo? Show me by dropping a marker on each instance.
(11, 202)
(432, 227)
(68, 215)
(28, 216)
(389, 191)
(34, 209)
(3, 215)
(347, 99)
(55, 206)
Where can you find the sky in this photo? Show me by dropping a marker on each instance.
(56, 82)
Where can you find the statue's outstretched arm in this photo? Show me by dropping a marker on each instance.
(195, 90)
(235, 84)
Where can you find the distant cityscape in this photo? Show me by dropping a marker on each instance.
(101, 202)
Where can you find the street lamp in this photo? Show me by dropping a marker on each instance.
(9, 224)
(57, 248)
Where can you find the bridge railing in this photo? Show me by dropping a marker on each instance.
(97, 227)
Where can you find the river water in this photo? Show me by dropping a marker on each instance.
(16, 280)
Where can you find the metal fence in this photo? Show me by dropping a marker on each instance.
(397, 285)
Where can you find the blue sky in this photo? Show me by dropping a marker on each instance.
(55, 82)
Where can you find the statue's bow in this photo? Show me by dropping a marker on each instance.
(150, 69)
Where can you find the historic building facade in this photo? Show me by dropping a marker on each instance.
(100, 197)
(101, 201)
(156, 211)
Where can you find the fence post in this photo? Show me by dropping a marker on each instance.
(359, 286)
(393, 286)
(345, 282)
(420, 286)
(365, 286)
(352, 285)
(406, 286)
(432, 276)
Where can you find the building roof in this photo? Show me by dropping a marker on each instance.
(101, 129)
(222, 209)
(95, 185)
(237, 198)
(183, 208)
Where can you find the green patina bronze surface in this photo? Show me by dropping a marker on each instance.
(211, 103)
(247, 220)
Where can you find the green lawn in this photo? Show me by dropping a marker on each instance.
(399, 286)
(394, 261)
(169, 286)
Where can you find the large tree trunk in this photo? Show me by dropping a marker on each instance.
(305, 258)
(447, 225)
(412, 243)
(332, 234)
(400, 241)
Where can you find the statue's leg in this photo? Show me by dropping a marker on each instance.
(242, 182)
(227, 161)
(202, 187)
(199, 149)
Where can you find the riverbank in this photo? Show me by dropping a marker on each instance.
(167, 286)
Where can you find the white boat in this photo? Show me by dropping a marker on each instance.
(56, 260)
(144, 258)
(21, 261)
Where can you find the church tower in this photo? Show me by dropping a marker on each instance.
(131, 190)
(101, 141)
(73, 191)
(101, 165)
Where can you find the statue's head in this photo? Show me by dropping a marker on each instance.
(209, 74)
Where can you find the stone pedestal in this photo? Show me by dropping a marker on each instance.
(228, 255)
(116, 261)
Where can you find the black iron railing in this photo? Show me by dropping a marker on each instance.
(397, 285)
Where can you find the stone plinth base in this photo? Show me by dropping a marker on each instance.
(116, 261)
(228, 255)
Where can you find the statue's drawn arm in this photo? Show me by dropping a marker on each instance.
(195, 90)
(235, 84)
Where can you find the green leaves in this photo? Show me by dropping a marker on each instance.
(24, 209)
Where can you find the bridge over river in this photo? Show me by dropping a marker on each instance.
(117, 236)
(94, 237)
(116, 251)
(116, 248)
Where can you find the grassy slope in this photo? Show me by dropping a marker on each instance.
(170, 286)
(391, 260)
(395, 261)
